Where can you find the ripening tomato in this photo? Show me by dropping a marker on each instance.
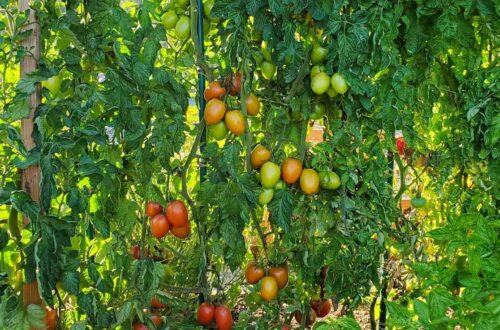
(50, 319)
(259, 156)
(281, 276)
(169, 19)
(266, 196)
(155, 303)
(320, 83)
(339, 84)
(223, 318)
(234, 83)
(268, 69)
(309, 181)
(139, 326)
(153, 208)
(318, 54)
(253, 104)
(181, 232)
(291, 170)
(183, 27)
(156, 319)
(269, 174)
(214, 111)
(253, 273)
(269, 288)
(214, 91)
(316, 69)
(135, 251)
(322, 307)
(218, 131)
(177, 214)
(235, 122)
(206, 313)
(159, 226)
(53, 84)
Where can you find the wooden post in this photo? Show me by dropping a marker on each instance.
(30, 180)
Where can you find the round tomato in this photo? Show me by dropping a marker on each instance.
(280, 185)
(259, 156)
(320, 83)
(235, 122)
(281, 275)
(214, 91)
(268, 69)
(316, 69)
(177, 214)
(418, 202)
(339, 84)
(253, 104)
(324, 307)
(153, 208)
(159, 226)
(265, 51)
(269, 288)
(135, 251)
(235, 84)
(331, 92)
(214, 111)
(139, 326)
(290, 170)
(181, 232)
(318, 55)
(309, 181)
(218, 131)
(285, 327)
(207, 10)
(206, 313)
(183, 27)
(318, 111)
(310, 320)
(329, 180)
(269, 174)
(50, 319)
(223, 318)
(253, 273)
(53, 84)
(155, 303)
(182, 3)
(266, 196)
(169, 19)
(156, 319)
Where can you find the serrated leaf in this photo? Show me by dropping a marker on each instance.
(71, 282)
(280, 209)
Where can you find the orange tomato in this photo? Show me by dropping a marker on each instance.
(159, 226)
(181, 232)
(153, 208)
(156, 319)
(291, 170)
(269, 288)
(235, 122)
(253, 104)
(177, 214)
(253, 274)
(214, 91)
(259, 156)
(309, 181)
(214, 111)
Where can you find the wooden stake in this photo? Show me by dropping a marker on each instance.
(31, 176)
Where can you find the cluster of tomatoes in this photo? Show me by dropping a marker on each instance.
(218, 117)
(175, 18)
(276, 279)
(321, 82)
(290, 172)
(207, 313)
(175, 219)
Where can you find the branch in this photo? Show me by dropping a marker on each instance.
(298, 80)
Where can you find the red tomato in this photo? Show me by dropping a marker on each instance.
(139, 326)
(253, 274)
(234, 82)
(311, 319)
(135, 251)
(153, 208)
(401, 145)
(223, 318)
(214, 91)
(156, 319)
(181, 232)
(280, 274)
(155, 303)
(159, 226)
(324, 308)
(206, 313)
(177, 213)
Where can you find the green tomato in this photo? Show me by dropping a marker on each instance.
(318, 111)
(318, 54)
(266, 196)
(169, 19)
(331, 92)
(329, 180)
(266, 52)
(218, 131)
(207, 10)
(183, 27)
(182, 3)
(316, 69)
(268, 70)
(270, 174)
(53, 84)
(418, 202)
(339, 84)
(206, 26)
(280, 185)
(320, 83)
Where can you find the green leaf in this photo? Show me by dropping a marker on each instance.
(422, 310)
(4, 238)
(24, 204)
(280, 209)
(124, 312)
(71, 282)
(35, 315)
